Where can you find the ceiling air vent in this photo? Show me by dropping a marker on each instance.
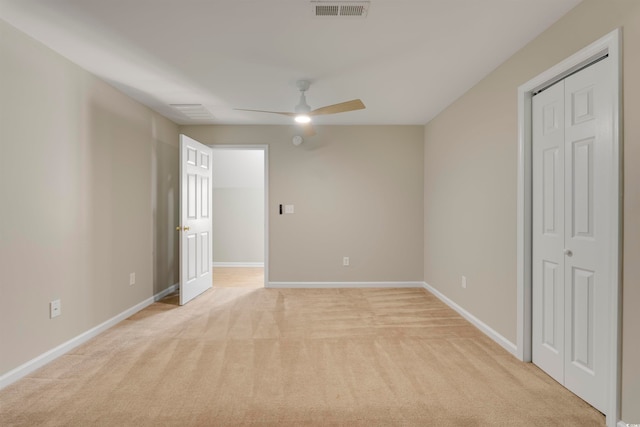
(358, 9)
(193, 111)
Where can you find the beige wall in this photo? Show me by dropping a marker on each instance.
(238, 225)
(470, 182)
(238, 206)
(88, 181)
(357, 192)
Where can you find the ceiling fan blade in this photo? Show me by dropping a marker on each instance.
(343, 107)
(308, 129)
(272, 112)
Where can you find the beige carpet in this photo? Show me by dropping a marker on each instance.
(266, 357)
(238, 277)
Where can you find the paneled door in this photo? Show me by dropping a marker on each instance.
(572, 173)
(195, 219)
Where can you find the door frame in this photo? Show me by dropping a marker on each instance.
(265, 149)
(609, 45)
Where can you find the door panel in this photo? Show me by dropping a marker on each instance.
(588, 174)
(582, 335)
(582, 190)
(195, 227)
(192, 180)
(204, 195)
(548, 231)
(205, 256)
(550, 289)
(582, 105)
(191, 255)
(550, 207)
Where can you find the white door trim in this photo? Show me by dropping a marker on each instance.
(265, 148)
(607, 45)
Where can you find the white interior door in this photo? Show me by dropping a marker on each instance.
(195, 219)
(572, 176)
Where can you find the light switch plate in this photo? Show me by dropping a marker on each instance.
(55, 308)
(288, 209)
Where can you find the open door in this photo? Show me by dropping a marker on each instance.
(195, 219)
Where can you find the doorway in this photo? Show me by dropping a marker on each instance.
(608, 46)
(239, 216)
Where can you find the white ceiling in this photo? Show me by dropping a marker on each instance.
(407, 60)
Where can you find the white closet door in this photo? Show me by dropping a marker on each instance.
(572, 173)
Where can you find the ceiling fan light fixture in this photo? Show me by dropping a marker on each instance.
(302, 118)
(302, 112)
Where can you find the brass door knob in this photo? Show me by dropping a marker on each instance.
(185, 228)
(178, 228)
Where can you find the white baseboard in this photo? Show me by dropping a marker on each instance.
(623, 424)
(47, 357)
(332, 285)
(171, 289)
(238, 264)
(502, 341)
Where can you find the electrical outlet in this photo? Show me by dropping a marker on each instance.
(464, 282)
(55, 308)
(132, 279)
(345, 261)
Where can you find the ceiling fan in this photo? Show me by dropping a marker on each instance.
(303, 113)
